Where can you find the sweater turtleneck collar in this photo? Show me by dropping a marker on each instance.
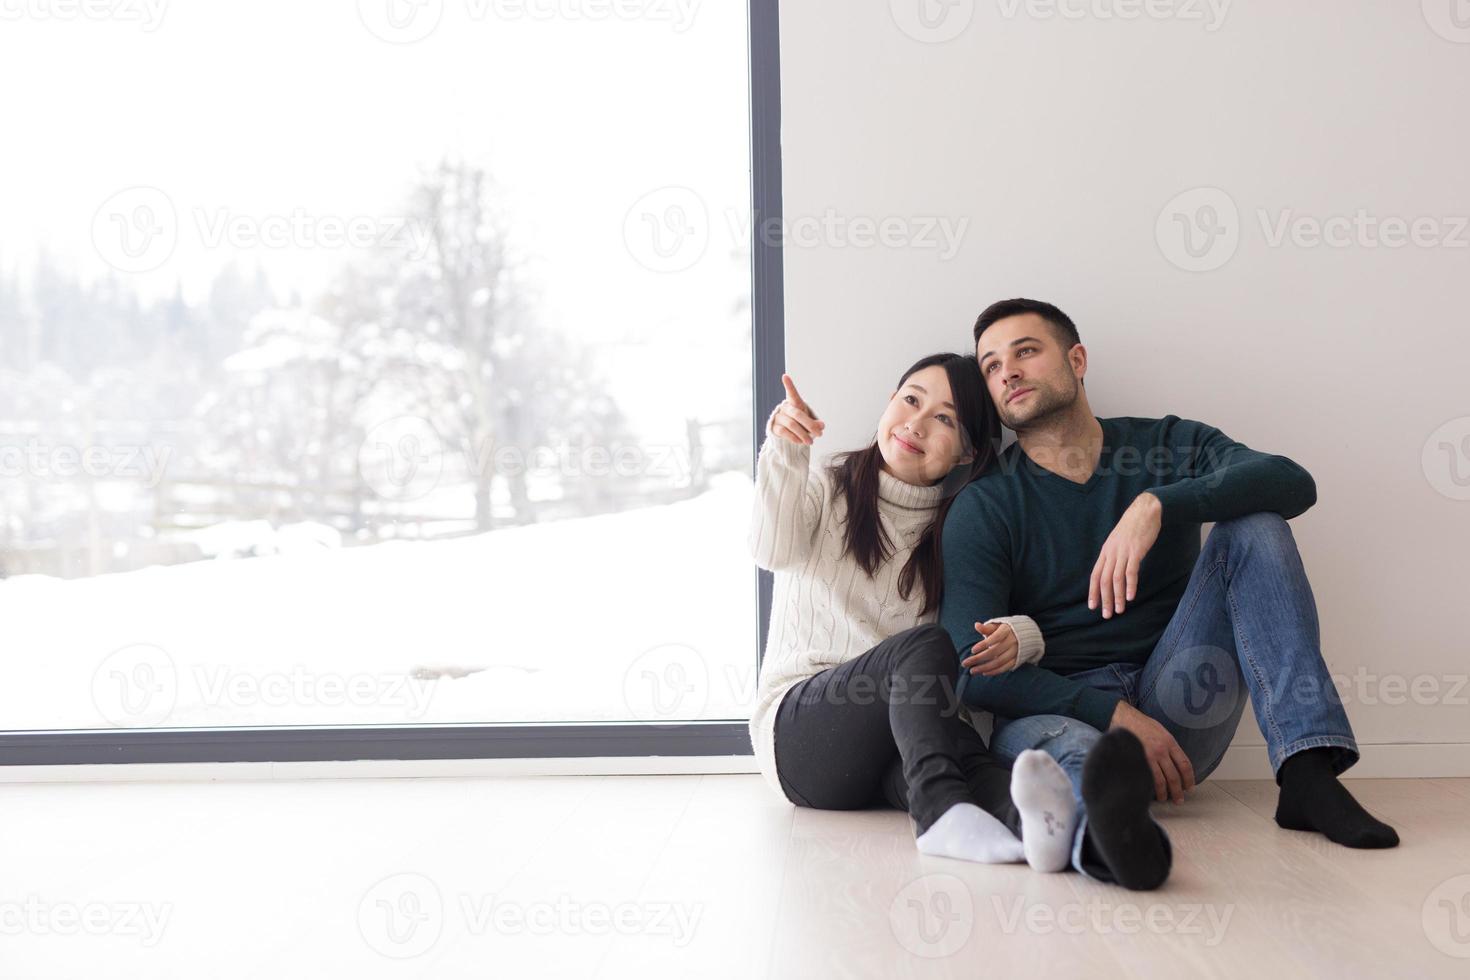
(894, 491)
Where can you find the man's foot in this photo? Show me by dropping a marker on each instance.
(1117, 787)
(1313, 799)
(1043, 796)
(969, 833)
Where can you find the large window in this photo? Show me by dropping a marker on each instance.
(379, 365)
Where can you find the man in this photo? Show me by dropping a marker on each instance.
(1092, 527)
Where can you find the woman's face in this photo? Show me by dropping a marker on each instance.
(919, 434)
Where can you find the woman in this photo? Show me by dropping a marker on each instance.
(856, 704)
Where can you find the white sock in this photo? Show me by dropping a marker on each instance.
(969, 833)
(1043, 795)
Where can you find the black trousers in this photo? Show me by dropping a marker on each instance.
(884, 728)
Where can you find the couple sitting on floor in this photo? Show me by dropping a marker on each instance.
(1059, 585)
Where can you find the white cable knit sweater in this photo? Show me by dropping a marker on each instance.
(825, 610)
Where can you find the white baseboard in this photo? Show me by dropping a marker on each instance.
(1386, 761)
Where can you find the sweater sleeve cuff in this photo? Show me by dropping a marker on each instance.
(1028, 636)
(1096, 707)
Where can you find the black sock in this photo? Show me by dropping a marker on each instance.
(1313, 799)
(1117, 787)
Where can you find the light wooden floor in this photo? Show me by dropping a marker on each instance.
(689, 877)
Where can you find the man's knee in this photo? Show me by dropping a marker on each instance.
(1064, 739)
(1263, 529)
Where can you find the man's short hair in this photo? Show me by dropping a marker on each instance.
(1065, 329)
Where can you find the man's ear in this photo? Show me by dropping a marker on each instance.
(1078, 358)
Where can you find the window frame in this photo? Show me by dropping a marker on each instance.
(324, 743)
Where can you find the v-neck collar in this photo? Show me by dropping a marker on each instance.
(1081, 488)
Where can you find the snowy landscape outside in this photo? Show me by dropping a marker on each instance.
(403, 381)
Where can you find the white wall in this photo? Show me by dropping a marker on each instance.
(1061, 140)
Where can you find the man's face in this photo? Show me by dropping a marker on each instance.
(1026, 370)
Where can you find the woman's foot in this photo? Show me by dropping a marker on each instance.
(1043, 796)
(968, 833)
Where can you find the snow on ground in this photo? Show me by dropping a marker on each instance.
(644, 615)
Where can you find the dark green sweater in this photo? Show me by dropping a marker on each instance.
(1022, 540)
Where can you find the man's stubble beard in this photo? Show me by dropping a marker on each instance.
(1051, 404)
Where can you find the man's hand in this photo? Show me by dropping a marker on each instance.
(1115, 576)
(793, 419)
(1173, 772)
(996, 653)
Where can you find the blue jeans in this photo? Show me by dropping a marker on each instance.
(1246, 625)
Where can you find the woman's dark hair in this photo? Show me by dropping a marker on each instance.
(855, 478)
